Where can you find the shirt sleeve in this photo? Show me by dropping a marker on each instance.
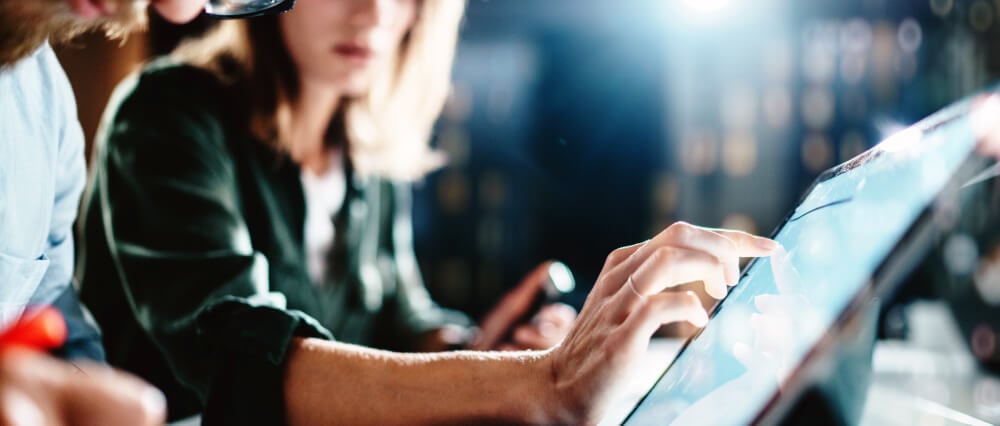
(414, 312)
(83, 339)
(172, 213)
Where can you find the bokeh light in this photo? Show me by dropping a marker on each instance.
(909, 35)
(700, 152)
(852, 143)
(739, 153)
(454, 141)
(818, 107)
(738, 108)
(453, 192)
(856, 35)
(981, 15)
(817, 152)
(741, 222)
(778, 61)
(961, 256)
(984, 341)
(777, 107)
(942, 7)
(492, 190)
(666, 190)
(819, 58)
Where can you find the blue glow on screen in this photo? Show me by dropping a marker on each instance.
(835, 239)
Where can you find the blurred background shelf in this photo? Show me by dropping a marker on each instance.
(577, 126)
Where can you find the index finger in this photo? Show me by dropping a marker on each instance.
(717, 242)
(747, 244)
(726, 245)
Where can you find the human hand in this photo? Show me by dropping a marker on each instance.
(500, 321)
(36, 389)
(549, 327)
(628, 303)
(545, 330)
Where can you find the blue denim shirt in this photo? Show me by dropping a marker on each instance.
(42, 173)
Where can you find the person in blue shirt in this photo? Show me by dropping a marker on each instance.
(42, 174)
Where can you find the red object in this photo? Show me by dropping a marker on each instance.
(39, 328)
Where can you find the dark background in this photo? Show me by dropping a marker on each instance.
(577, 126)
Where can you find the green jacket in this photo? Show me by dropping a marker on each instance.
(194, 261)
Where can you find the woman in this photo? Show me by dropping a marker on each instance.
(208, 231)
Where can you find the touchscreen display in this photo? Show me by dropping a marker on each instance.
(833, 242)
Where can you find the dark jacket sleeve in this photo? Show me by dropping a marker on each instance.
(172, 215)
(414, 310)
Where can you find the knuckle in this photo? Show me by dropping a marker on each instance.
(731, 243)
(649, 307)
(663, 254)
(681, 231)
(617, 256)
(610, 349)
(681, 300)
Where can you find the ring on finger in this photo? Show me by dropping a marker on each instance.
(628, 283)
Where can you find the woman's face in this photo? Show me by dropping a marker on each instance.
(343, 42)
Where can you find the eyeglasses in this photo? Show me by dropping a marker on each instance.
(246, 8)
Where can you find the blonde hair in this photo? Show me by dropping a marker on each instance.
(25, 25)
(388, 129)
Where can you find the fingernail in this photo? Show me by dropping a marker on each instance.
(766, 243)
(700, 318)
(715, 291)
(154, 403)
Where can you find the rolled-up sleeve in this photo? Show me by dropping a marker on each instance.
(172, 216)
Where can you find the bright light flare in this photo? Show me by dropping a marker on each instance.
(899, 136)
(706, 6)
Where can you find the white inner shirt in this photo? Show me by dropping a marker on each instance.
(324, 196)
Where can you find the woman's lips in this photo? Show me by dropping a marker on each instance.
(353, 52)
(87, 9)
(90, 9)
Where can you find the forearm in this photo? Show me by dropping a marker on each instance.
(330, 382)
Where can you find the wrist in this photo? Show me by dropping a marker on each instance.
(532, 397)
(556, 397)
